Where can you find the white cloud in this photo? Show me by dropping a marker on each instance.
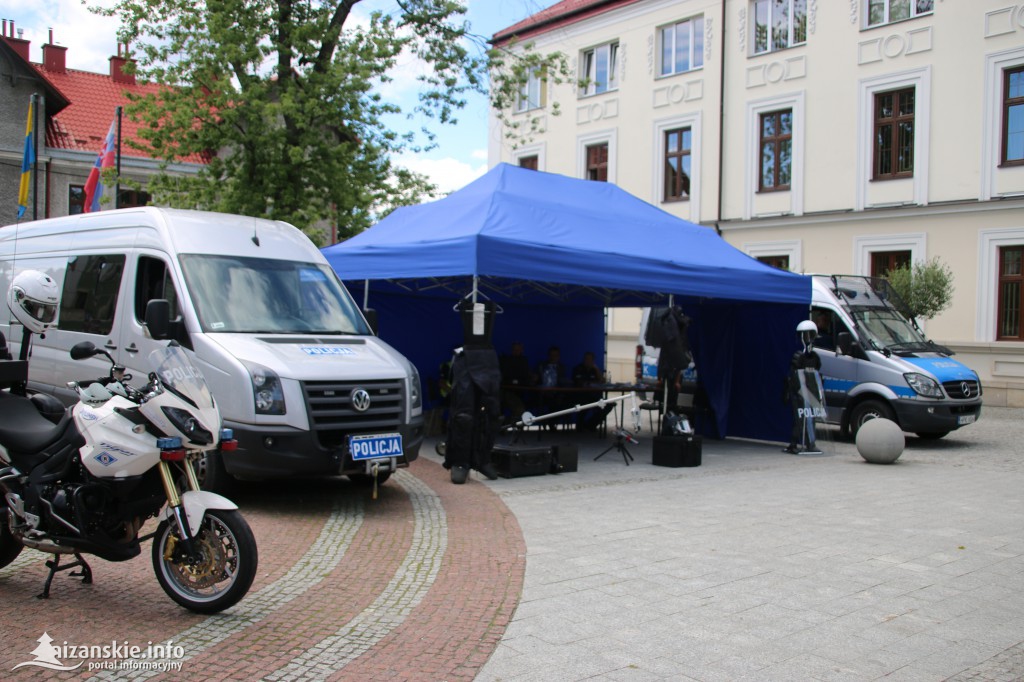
(479, 154)
(448, 174)
(91, 39)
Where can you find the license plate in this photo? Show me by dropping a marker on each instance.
(377, 446)
(966, 419)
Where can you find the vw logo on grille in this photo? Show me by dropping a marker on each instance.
(360, 399)
(966, 388)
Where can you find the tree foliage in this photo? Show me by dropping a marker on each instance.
(926, 287)
(511, 68)
(284, 98)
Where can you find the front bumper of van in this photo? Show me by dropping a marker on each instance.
(923, 417)
(269, 452)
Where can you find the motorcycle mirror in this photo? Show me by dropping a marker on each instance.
(83, 350)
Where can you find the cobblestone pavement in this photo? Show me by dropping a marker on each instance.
(416, 585)
(754, 566)
(764, 566)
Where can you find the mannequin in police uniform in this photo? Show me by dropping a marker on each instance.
(801, 437)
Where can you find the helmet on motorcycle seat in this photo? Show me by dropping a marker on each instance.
(33, 298)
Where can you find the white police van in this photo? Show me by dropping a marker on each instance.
(875, 362)
(296, 370)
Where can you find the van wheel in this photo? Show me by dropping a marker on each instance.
(935, 435)
(211, 472)
(868, 410)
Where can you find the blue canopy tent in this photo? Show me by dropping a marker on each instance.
(553, 252)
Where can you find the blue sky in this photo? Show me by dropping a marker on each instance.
(462, 152)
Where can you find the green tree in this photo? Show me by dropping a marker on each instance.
(283, 98)
(926, 287)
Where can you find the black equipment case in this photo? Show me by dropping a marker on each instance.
(513, 461)
(676, 451)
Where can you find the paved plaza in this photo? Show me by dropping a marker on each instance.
(756, 565)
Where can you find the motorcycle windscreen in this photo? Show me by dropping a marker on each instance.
(180, 376)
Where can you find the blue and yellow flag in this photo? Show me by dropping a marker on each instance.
(27, 161)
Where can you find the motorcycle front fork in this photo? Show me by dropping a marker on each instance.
(174, 497)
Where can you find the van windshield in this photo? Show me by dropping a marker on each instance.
(886, 328)
(267, 296)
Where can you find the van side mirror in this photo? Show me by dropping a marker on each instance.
(845, 343)
(158, 318)
(371, 318)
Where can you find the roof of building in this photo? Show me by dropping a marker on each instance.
(558, 15)
(89, 107)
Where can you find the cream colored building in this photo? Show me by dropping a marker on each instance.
(832, 136)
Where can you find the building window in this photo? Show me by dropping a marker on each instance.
(130, 198)
(780, 262)
(887, 11)
(76, 199)
(599, 67)
(778, 24)
(884, 262)
(531, 93)
(597, 162)
(894, 134)
(1013, 116)
(1010, 293)
(776, 150)
(682, 46)
(677, 164)
(529, 162)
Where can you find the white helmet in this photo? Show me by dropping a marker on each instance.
(807, 331)
(33, 298)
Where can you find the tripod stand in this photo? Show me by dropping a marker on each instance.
(621, 437)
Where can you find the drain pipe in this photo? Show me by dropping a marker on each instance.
(721, 123)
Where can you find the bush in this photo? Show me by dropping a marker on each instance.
(926, 287)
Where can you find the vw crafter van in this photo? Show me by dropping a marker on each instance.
(293, 365)
(876, 362)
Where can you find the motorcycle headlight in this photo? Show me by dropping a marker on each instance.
(923, 385)
(186, 424)
(267, 393)
(415, 389)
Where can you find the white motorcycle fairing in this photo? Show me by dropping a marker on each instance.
(196, 502)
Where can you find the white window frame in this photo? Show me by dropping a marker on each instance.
(693, 122)
(790, 29)
(989, 243)
(795, 103)
(792, 248)
(916, 243)
(886, 20)
(588, 64)
(531, 94)
(695, 26)
(920, 80)
(539, 150)
(598, 137)
(992, 103)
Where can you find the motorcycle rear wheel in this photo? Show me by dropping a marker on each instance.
(226, 567)
(9, 547)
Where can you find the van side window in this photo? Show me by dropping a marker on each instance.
(91, 286)
(825, 320)
(152, 281)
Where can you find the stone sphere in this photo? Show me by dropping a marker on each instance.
(880, 441)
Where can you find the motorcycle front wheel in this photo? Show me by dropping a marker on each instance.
(9, 547)
(219, 572)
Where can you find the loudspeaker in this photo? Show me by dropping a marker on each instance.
(677, 451)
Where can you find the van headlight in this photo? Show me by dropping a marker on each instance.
(923, 385)
(415, 388)
(267, 392)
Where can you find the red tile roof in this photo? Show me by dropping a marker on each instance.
(558, 15)
(83, 124)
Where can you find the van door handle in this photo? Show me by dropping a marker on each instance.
(110, 345)
(132, 348)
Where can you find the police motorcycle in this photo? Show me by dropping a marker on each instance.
(88, 483)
